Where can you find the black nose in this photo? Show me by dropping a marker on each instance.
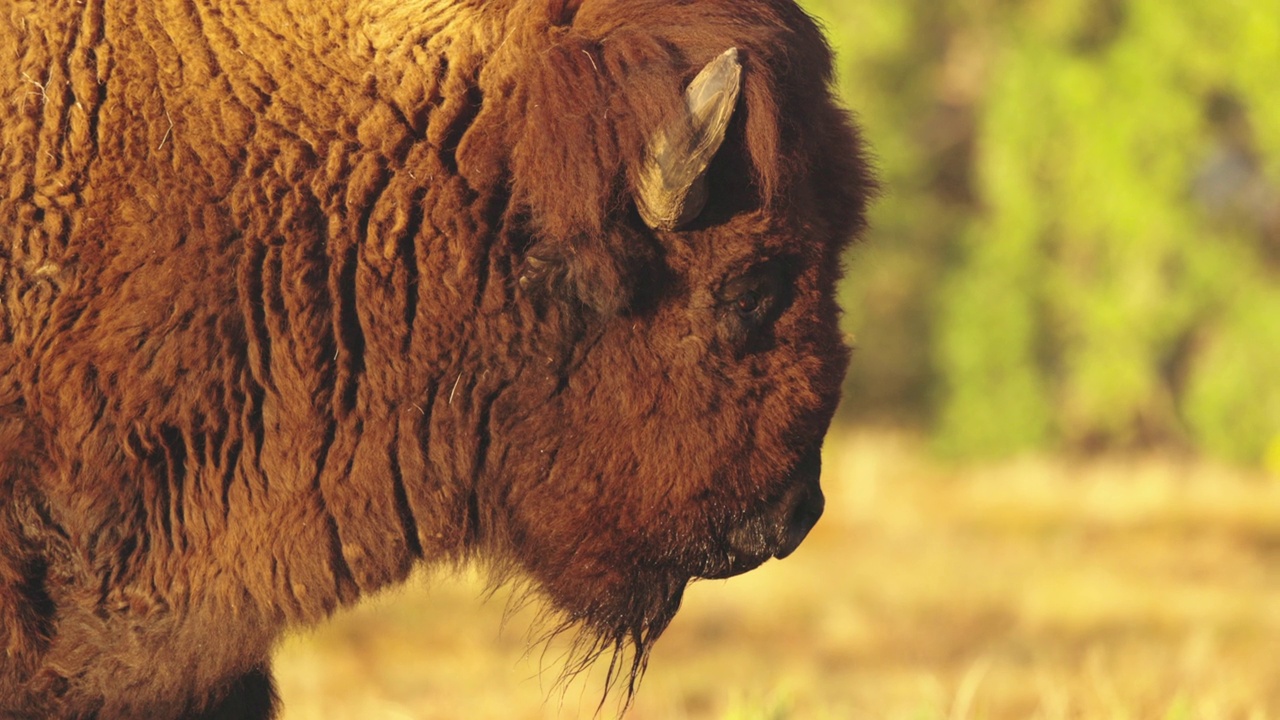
(803, 518)
(808, 507)
(780, 529)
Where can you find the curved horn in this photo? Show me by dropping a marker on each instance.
(671, 188)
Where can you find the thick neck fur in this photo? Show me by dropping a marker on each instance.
(304, 415)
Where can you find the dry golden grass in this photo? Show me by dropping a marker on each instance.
(1114, 588)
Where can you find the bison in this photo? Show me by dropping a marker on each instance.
(296, 296)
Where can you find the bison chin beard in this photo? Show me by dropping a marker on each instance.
(623, 621)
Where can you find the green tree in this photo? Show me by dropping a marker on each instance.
(1081, 244)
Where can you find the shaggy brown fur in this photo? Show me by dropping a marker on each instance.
(294, 295)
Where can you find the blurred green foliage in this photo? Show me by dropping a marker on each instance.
(1079, 247)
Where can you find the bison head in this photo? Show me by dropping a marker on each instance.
(684, 278)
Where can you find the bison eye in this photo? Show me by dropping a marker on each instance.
(751, 299)
(748, 303)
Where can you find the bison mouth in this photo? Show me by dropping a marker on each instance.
(776, 531)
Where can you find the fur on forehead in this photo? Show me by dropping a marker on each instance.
(590, 82)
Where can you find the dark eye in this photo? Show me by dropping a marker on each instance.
(749, 303)
(751, 298)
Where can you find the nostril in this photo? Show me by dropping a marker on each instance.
(803, 518)
(811, 507)
(779, 529)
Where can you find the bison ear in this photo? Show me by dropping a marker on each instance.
(671, 184)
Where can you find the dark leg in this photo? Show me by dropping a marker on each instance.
(252, 697)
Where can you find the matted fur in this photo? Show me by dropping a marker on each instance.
(295, 295)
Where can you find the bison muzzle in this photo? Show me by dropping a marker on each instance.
(295, 296)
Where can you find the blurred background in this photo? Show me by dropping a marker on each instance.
(1054, 485)
(1080, 245)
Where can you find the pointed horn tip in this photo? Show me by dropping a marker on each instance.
(723, 71)
(728, 58)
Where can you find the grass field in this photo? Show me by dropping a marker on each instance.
(1139, 587)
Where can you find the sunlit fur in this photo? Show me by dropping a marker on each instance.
(295, 295)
